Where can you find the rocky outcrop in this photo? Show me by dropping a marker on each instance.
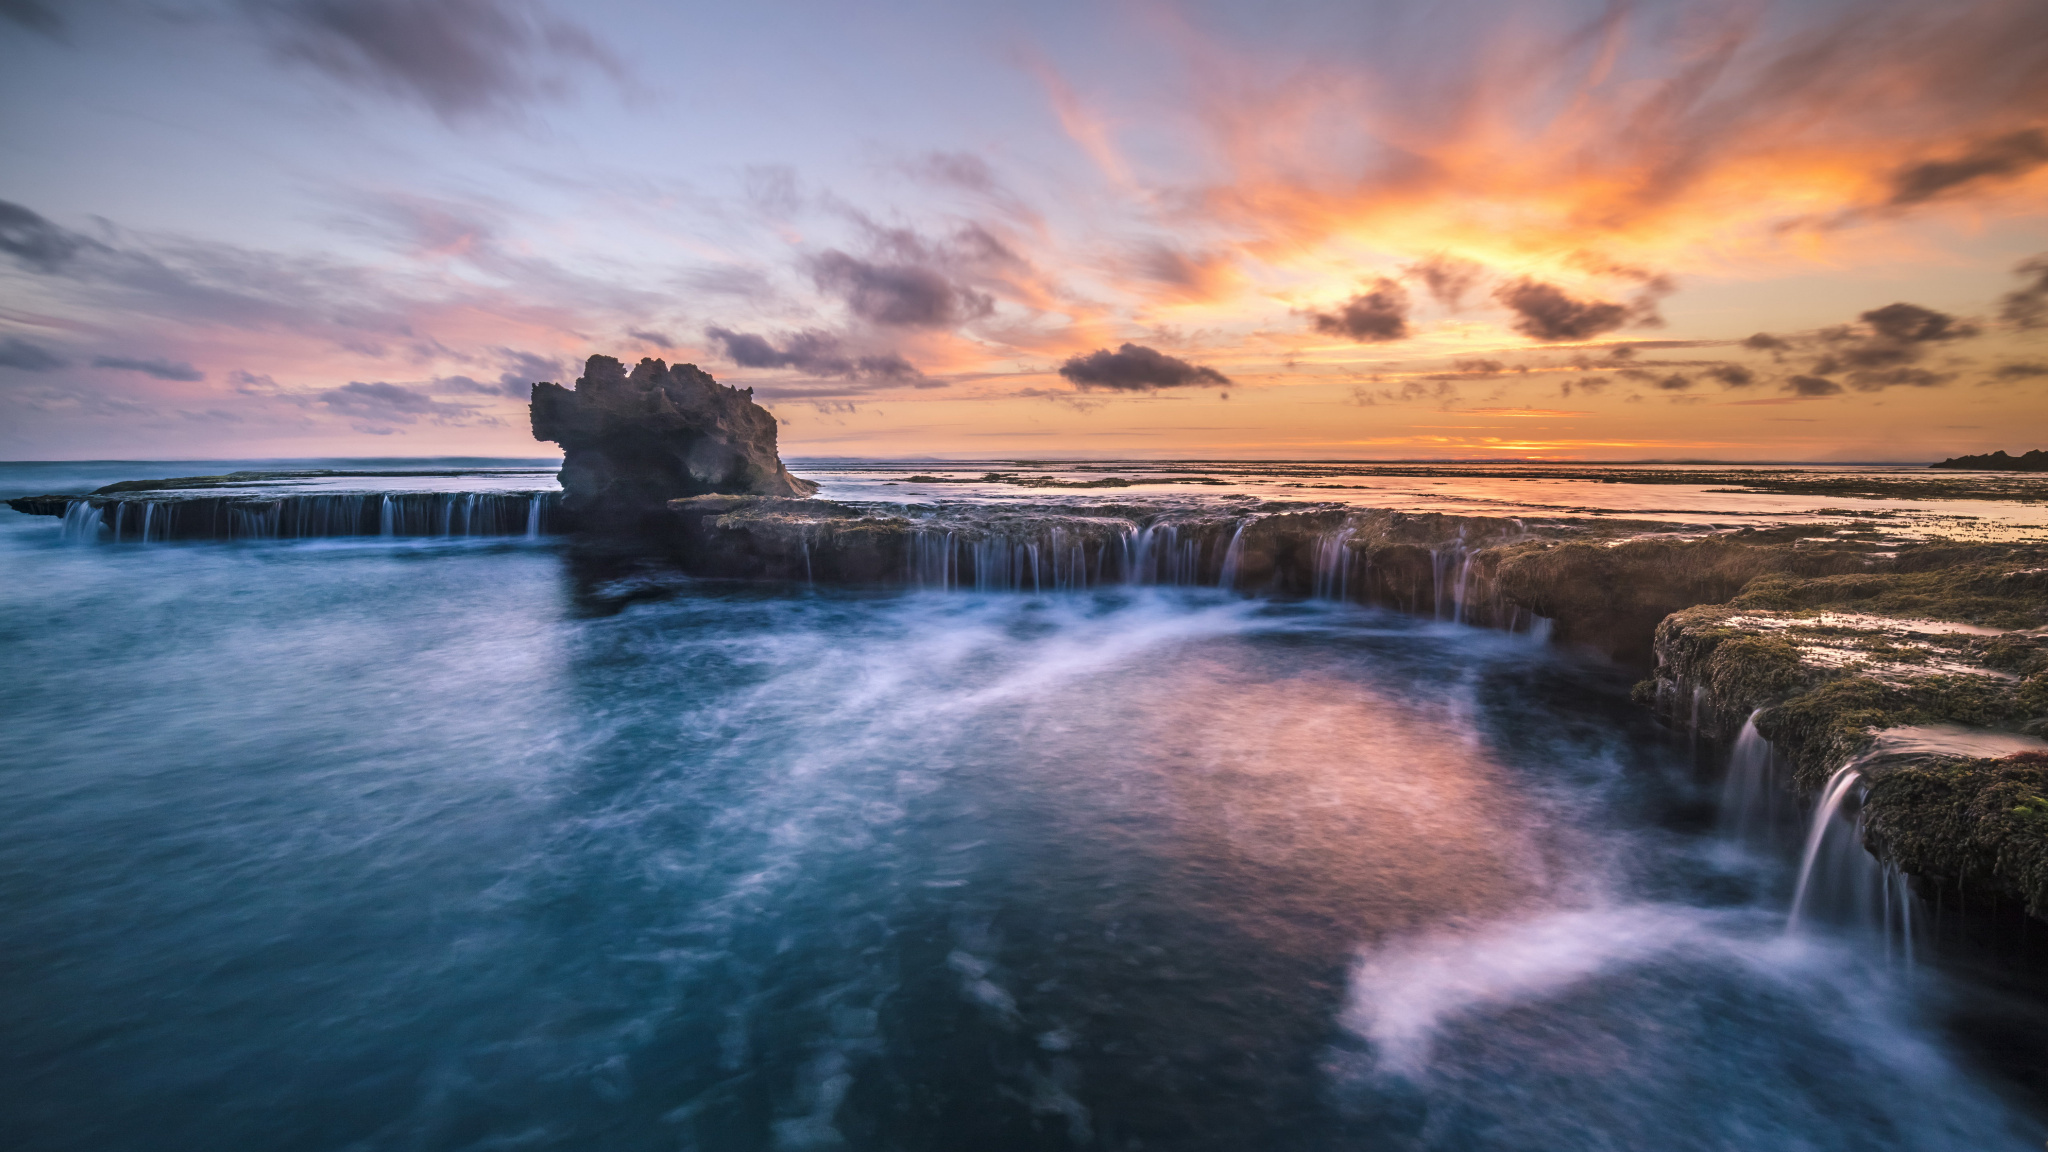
(632, 443)
(2035, 461)
(1928, 677)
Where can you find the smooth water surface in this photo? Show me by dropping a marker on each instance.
(375, 844)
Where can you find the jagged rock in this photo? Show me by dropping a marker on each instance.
(634, 442)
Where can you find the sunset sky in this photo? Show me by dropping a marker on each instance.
(1368, 230)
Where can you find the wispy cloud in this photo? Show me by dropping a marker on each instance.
(462, 59)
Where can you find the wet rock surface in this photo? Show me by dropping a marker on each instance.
(633, 442)
(1927, 677)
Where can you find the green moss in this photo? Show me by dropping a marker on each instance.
(1982, 821)
(1975, 586)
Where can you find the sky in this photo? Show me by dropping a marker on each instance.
(1811, 230)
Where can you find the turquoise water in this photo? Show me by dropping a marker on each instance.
(444, 845)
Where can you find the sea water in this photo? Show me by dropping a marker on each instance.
(452, 844)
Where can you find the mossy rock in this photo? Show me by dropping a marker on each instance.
(1983, 822)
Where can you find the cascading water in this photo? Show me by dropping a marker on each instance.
(1333, 564)
(308, 517)
(83, 521)
(1233, 557)
(1840, 883)
(1754, 802)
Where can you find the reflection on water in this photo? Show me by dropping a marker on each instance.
(370, 844)
(1903, 501)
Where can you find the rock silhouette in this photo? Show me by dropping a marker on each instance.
(634, 442)
(2035, 461)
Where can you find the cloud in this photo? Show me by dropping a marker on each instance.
(2027, 307)
(1371, 317)
(34, 16)
(2003, 157)
(1197, 277)
(1912, 324)
(1732, 375)
(1813, 386)
(1447, 278)
(1135, 368)
(36, 242)
(524, 370)
(395, 404)
(252, 383)
(18, 353)
(1881, 353)
(813, 352)
(898, 295)
(161, 369)
(463, 59)
(1545, 312)
(1877, 380)
(1765, 342)
(2021, 370)
(1676, 382)
(647, 336)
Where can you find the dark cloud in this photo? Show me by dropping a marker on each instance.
(2013, 154)
(1135, 368)
(1676, 382)
(252, 383)
(2021, 370)
(1765, 342)
(2027, 307)
(1878, 380)
(460, 58)
(899, 295)
(1912, 324)
(18, 353)
(1812, 386)
(813, 352)
(161, 369)
(1881, 352)
(645, 336)
(1733, 375)
(1545, 312)
(1371, 317)
(524, 369)
(1447, 278)
(34, 16)
(394, 404)
(1478, 367)
(36, 242)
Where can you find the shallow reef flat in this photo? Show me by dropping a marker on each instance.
(1829, 631)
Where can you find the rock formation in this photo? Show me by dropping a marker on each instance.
(2035, 461)
(633, 443)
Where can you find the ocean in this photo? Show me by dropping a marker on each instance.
(444, 842)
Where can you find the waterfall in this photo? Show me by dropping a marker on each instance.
(83, 521)
(1831, 798)
(1333, 565)
(307, 517)
(1753, 801)
(1233, 556)
(533, 503)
